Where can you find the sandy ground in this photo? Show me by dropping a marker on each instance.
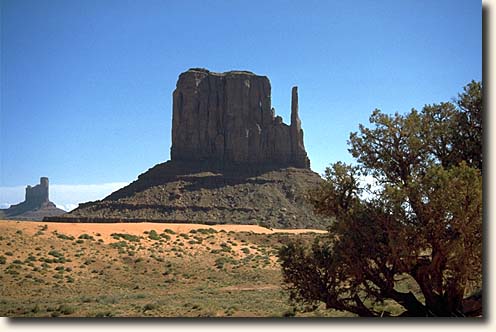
(76, 229)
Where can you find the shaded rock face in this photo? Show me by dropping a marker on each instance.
(227, 118)
(36, 204)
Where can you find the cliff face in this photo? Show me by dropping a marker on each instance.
(227, 118)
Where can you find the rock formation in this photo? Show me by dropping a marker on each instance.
(227, 118)
(232, 161)
(36, 204)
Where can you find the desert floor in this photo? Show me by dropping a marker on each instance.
(144, 269)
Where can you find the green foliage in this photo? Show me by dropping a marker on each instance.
(128, 237)
(421, 217)
(206, 231)
(86, 237)
(65, 309)
(153, 235)
(65, 237)
(165, 236)
(55, 253)
(149, 306)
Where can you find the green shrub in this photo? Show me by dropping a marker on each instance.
(65, 309)
(86, 237)
(103, 314)
(65, 237)
(169, 231)
(128, 237)
(165, 236)
(3, 260)
(118, 245)
(206, 231)
(55, 253)
(153, 235)
(225, 247)
(149, 306)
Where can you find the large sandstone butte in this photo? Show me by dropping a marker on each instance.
(227, 118)
(232, 162)
(36, 204)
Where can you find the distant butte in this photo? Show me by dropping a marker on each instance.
(36, 204)
(233, 161)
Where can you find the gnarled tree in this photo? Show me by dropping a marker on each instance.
(419, 224)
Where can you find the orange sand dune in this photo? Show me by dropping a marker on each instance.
(105, 229)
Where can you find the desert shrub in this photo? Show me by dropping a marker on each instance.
(65, 237)
(165, 236)
(153, 235)
(149, 306)
(86, 237)
(31, 258)
(55, 253)
(225, 247)
(169, 231)
(3, 260)
(206, 231)
(9, 253)
(128, 237)
(65, 309)
(118, 245)
(221, 261)
(103, 314)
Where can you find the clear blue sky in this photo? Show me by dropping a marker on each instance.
(86, 85)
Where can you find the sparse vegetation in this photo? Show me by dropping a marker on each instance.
(149, 278)
(86, 237)
(127, 237)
